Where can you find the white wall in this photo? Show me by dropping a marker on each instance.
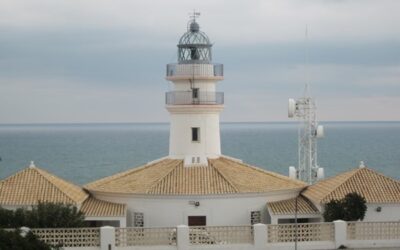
(389, 212)
(220, 210)
(181, 144)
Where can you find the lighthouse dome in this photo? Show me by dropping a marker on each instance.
(194, 46)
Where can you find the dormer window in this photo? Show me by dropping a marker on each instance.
(195, 134)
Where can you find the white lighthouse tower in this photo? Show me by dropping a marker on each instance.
(193, 103)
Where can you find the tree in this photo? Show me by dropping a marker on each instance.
(334, 210)
(14, 240)
(43, 215)
(351, 208)
(355, 207)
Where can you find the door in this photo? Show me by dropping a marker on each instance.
(197, 220)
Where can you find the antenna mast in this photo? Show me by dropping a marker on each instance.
(304, 109)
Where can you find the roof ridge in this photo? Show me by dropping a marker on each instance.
(223, 176)
(351, 175)
(44, 172)
(17, 173)
(380, 174)
(358, 171)
(168, 173)
(308, 201)
(107, 179)
(270, 173)
(333, 187)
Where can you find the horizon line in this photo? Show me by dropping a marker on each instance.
(223, 122)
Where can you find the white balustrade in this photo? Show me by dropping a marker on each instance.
(305, 232)
(69, 237)
(138, 236)
(220, 235)
(363, 234)
(373, 230)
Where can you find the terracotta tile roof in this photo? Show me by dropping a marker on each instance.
(93, 207)
(250, 179)
(373, 186)
(31, 185)
(135, 181)
(170, 177)
(193, 180)
(304, 206)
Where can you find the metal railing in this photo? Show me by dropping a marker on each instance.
(188, 98)
(195, 70)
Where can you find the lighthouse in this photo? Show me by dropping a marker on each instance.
(195, 184)
(193, 102)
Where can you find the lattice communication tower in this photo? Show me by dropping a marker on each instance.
(304, 109)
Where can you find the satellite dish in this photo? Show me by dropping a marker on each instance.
(291, 107)
(320, 131)
(320, 174)
(292, 173)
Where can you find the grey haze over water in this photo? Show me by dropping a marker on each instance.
(85, 152)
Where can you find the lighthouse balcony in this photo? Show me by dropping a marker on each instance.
(209, 71)
(191, 98)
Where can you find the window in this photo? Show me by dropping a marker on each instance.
(197, 220)
(195, 93)
(195, 134)
(255, 217)
(138, 219)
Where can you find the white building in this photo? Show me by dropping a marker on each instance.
(195, 184)
(32, 185)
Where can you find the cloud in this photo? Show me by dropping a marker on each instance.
(103, 60)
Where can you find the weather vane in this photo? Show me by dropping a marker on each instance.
(194, 15)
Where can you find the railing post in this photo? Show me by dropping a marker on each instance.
(182, 237)
(107, 238)
(340, 233)
(260, 236)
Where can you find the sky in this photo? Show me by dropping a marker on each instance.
(69, 61)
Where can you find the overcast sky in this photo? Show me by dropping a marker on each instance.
(104, 61)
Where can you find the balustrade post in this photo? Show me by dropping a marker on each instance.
(182, 237)
(24, 231)
(107, 238)
(340, 233)
(260, 236)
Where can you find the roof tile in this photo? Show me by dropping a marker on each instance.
(31, 185)
(170, 177)
(99, 208)
(373, 186)
(289, 207)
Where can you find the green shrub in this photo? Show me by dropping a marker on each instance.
(44, 215)
(351, 208)
(14, 241)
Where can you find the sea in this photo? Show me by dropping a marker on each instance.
(82, 153)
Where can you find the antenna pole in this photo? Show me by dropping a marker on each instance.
(307, 65)
(304, 109)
